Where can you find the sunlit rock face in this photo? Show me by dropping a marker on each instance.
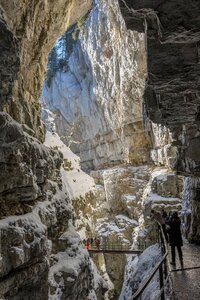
(99, 97)
(28, 31)
(172, 98)
(117, 213)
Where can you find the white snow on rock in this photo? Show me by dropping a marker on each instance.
(124, 220)
(118, 229)
(69, 265)
(153, 197)
(162, 191)
(137, 270)
(77, 182)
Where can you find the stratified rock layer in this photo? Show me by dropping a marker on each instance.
(25, 167)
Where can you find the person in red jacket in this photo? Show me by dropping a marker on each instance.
(88, 245)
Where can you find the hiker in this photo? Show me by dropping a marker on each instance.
(88, 245)
(175, 238)
(97, 241)
(157, 216)
(91, 241)
(164, 214)
(169, 217)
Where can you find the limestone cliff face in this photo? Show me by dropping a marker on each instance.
(41, 255)
(28, 170)
(98, 103)
(28, 31)
(26, 167)
(112, 212)
(172, 94)
(100, 111)
(97, 106)
(118, 211)
(99, 97)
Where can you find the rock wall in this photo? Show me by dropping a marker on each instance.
(172, 93)
(98, 98)
(41, 255)
(28, 170)
(112, 213)
(28, 31)
(97, 101)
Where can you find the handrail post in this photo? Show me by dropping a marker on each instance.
(163, 249)
(161, 282)
(158, 234)
(165, 268)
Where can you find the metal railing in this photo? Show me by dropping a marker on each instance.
(163, 267)
(110, 246)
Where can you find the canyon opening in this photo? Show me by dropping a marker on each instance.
(99, 150)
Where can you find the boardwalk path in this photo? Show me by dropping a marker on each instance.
(186, 283)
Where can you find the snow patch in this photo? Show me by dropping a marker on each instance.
(137, 270)
(77, 182)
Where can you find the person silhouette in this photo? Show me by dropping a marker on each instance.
(175, 238)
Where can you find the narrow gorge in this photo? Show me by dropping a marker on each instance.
(99, 124)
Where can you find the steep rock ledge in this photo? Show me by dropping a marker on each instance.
(28, 31)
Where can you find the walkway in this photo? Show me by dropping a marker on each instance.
(186, 282)
(115, 251)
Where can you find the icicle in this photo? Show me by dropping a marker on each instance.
(186, 205)
(145, 31)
